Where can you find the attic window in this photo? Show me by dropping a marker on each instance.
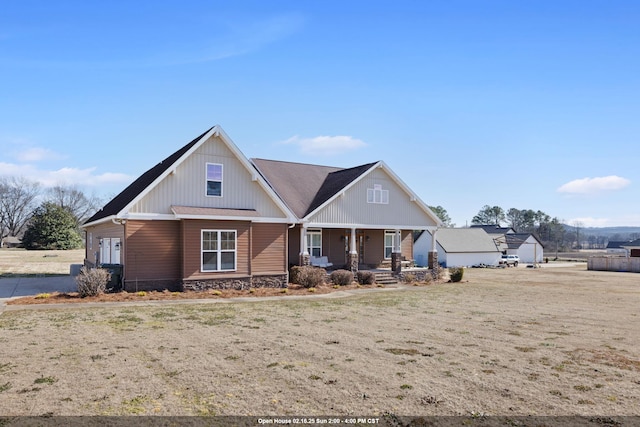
(377, 195)
(214, 179)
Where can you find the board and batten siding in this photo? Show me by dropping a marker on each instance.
(186, 186)
(352, 208)
(101, 231)
(268, 248)
(152, 251)
(191, 241)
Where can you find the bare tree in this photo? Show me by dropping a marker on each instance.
(17, 202)
(75, 201)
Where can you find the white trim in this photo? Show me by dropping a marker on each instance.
(310, 232)
(371, 226)
(206, 178)
(219, 251)
(412, 196)
(215, 131)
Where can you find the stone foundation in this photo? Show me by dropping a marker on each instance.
(305, 259)
(353, 262)
(237, 283)
(433, 259)
(396, 263)
(172, 285)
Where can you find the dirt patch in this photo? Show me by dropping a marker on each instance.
(561, 341)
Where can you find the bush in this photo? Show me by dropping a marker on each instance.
(342, 277)
(366, 277)
(92, 281)
(456, 273)
(409, 278)
(307, 276)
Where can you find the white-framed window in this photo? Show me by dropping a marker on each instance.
(389, 236)
(377, 195)
(314, 242)
(214, 179)
(218, 250)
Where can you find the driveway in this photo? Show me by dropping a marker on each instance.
(16, 287)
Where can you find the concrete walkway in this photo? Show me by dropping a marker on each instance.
(16, 287)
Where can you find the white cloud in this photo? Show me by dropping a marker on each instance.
(326, 145)
(590, 222)
(37, 154)
(64, 176)
(594, 185)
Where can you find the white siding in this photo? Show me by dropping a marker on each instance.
(186, 187)
(352, 208)
(529, 251)
(422, 247)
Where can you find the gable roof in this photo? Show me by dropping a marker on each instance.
(458, 240)
(617, 244)
(304, 187)
(126, 196)
(150, 178)
(515, 240)
(632, 244)
(494, 229)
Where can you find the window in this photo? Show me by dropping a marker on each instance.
(389, 236)
(214, 179)
(314, 242)
(218, 250)
(377, 195)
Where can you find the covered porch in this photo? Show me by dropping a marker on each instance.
(352, 248)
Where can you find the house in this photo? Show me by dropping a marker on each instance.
(459, 247)
(633, 248)
(617, 247)
(527, 246)
(208, 217)
(497, 233)
(10, 242)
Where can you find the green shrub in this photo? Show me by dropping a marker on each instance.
(307, 276)
(92, 281)
(456, 273)
(366, 277)
(341, 277)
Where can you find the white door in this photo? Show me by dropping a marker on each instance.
(115, 251)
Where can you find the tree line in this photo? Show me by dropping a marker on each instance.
(44, 218)
(551, 231)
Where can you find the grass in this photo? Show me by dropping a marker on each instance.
(23, 263)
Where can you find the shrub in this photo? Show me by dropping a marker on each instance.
(92, 281)
(307, 276)
(409, 278)
(366, 277)
(456, 273)
(342, 277)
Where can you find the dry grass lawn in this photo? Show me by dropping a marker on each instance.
(518, 341)
(20, 262)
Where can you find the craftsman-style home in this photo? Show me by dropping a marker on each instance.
(208, 217)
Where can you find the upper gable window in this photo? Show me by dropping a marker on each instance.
(377, 195)
(214, 179)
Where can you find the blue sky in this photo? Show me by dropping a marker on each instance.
(523, 104)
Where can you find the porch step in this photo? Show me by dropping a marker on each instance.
(386, 279)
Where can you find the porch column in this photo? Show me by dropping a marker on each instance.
(396, 254)
(304, 250)
(433, 254)
(353, 252)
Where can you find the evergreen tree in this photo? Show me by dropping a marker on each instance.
(52, 227)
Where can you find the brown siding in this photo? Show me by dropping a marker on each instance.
(374, 248)
(333, 246)
(152, 251)
(95, 233)
(407, 244)
(294, 245)
(191, 235)
(268, 248)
